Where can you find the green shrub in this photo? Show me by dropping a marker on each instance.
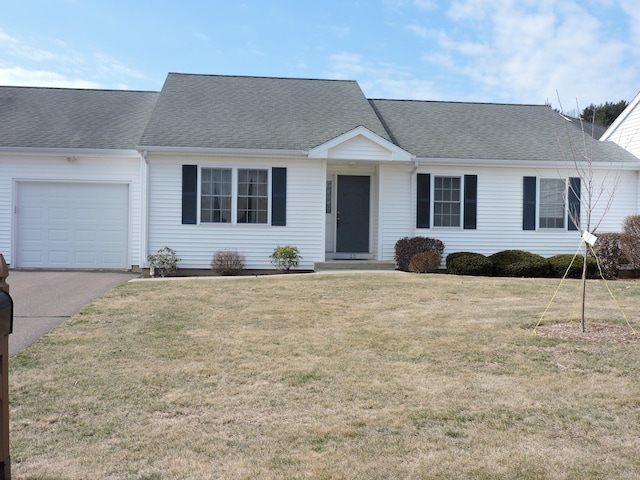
(227, 262)
(630, 240)
(469, 263)
(285, 258)
(560, 263)
(164, 261)
(518, 263)
(406, 248)
(608, 249)
(425, 262)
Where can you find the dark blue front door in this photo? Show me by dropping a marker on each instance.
(352, 235)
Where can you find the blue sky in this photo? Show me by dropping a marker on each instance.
(506, 51)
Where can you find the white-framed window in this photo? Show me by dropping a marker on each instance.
(552, 201)
(241, 194)
(253, 196)
(447, 206)
(216, 195)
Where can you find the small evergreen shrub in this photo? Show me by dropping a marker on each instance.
(560, 263)
(609, 251)
(469, 263)
(164, 261)
(227, 262)
(630, 240)
(406, 248)
(518, 263)
(425, 262)
(285, 258)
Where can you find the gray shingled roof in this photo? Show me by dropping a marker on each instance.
(488, 131)
(212, 111)
(72, 118)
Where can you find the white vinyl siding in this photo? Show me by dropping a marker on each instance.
(358, 148)
(196, 244)
(499, 210)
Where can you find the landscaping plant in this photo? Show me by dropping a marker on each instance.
(630, 240)
(164, 261)
(406, 248)
(227, 262)
(285, 258)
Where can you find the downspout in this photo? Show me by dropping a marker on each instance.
(144, 209)
(413, 193)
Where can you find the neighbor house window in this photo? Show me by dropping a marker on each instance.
(215, 195)
(446, 202)
(253, 196)
(552, 203)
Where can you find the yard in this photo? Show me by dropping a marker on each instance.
(342, 376)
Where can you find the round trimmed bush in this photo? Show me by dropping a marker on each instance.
(518, 263)
(560, 263)
(406, 248)
(425, 262)
(469, 263)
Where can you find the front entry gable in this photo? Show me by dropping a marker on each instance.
(360, 144)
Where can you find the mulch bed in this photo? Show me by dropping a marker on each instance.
(595, 332)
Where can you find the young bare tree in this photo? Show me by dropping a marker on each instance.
(594, 195)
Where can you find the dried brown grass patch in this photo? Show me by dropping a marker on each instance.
(327, 376)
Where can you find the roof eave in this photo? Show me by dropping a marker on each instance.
(56, 152)
(222, 152)
(502, 163)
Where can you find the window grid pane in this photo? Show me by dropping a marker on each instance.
(552, 202)
(215, 195)
(253, 196)
(446, 205)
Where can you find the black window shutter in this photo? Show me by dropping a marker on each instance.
(574, 202)
(423, 207)
(470, 201)
(529, 203)
(189, 194)
(279, 196)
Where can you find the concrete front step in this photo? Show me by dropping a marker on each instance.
(353, 265)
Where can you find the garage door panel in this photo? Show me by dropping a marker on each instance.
(86, 213)
(59, 213)
(72, 225)
(86, 236)
(58, 235)
(58, 258)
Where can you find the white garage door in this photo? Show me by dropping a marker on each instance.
(72, 225)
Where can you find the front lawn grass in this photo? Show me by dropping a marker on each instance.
(342, 376)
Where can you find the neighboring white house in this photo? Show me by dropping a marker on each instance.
(625, 130)
(99, 179)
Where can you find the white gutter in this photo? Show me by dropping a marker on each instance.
(67, 152)
(226, 152)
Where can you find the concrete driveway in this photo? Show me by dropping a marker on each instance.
(42, 300)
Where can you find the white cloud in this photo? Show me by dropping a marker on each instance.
(16, 48)
(425, 4)
(525, 51)
(380, 80)
(28, 65)
(18, 76)
(109, 65)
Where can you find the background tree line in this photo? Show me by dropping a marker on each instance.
(604, 114)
